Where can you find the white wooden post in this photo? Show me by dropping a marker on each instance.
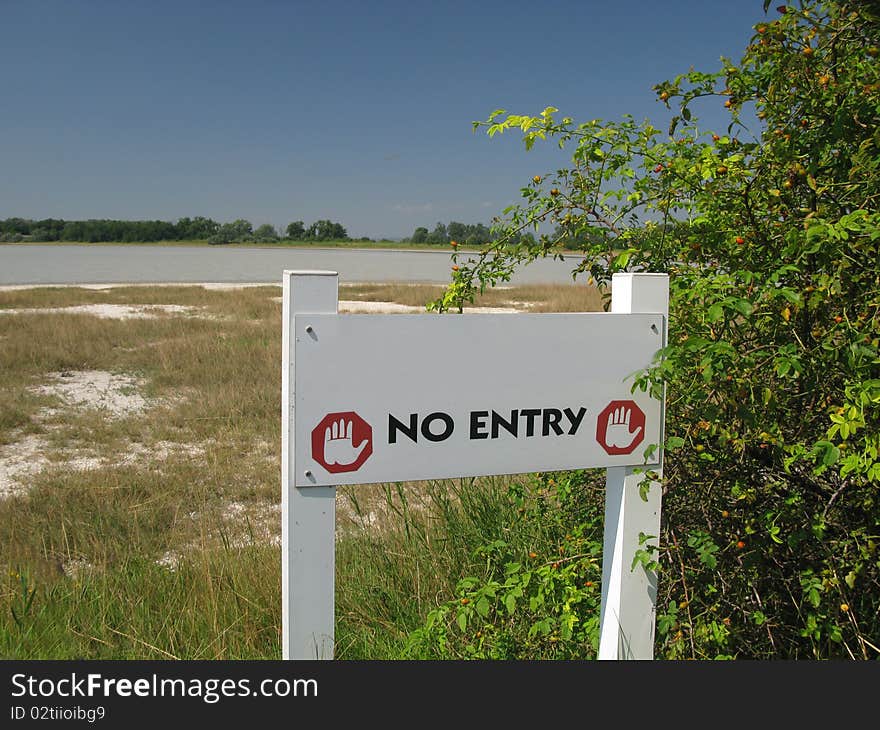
(308, 515)
(629, 596)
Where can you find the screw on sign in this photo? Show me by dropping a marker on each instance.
(620, 427)
(342, 442)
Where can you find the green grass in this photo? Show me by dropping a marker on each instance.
(221, 605)
(169, 549)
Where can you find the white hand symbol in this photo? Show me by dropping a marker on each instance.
(338, 446)
(618, 435)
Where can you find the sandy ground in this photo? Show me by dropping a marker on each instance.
(25, 458)
(115, 396)
(112, 311)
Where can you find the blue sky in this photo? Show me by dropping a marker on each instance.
(353, 111)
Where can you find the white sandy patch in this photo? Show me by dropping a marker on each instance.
(115, 395)
(111, 311)
(162, 451)
(18, 461)
(111, 392)
(358, 307)
(259, 523)
(25, 458)
(170, 560)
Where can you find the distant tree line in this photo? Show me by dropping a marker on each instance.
(468, 234)
(185, 229)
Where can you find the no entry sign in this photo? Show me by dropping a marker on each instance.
(384, 398)
(381, 398)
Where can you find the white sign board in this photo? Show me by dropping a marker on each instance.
(380, 398)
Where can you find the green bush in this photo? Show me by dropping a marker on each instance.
(538, 591)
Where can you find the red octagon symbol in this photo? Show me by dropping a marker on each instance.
(342, 442)
(620, 427)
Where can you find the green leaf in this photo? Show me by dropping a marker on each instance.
(743, 306)
(674, 442)
(828, 452)
(462, 620)
(510, 603)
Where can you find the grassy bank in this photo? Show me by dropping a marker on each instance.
(139, 484)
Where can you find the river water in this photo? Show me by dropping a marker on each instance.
(95, 264)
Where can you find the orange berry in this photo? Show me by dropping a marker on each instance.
(536, 179)
(844, 607)
(588, 584)
(465, 601)
(740, 240)
(838, 319)
(533, 555)
(725, 513)
(740, 545)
